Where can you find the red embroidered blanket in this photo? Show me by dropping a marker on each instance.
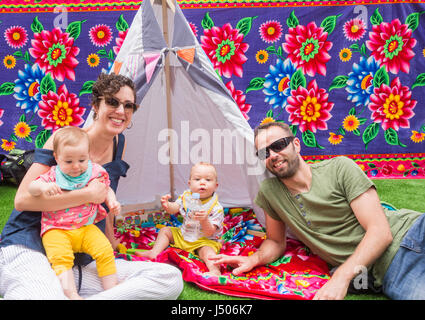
(298, 274)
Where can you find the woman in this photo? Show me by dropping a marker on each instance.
(25, 272)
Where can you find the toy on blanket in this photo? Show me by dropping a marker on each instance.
(147, 216)
(138, 233)
(132, 225)
(143, 218)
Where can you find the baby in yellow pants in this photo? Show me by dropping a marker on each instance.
(205, 240)
(73, 230)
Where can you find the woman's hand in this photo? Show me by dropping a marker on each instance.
(98, 190)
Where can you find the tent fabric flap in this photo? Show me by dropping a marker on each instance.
(207, 124)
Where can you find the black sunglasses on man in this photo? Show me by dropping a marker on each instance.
(276, 146)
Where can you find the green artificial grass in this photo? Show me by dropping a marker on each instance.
(402, 193)
(407, 193)
(192, 292)
(7, 195)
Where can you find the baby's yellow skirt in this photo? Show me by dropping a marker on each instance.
(60, 246)
(191, 247)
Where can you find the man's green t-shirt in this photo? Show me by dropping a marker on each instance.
(322, 217)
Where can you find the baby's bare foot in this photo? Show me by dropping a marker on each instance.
(75, 296)
(146, 254)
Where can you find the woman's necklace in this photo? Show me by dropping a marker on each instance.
(98, 140)
(103, 156)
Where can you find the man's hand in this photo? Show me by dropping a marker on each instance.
(240, 264)
(271, 249)
(334, 289)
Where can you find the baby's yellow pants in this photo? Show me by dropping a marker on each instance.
(191, 247)
(60, 246)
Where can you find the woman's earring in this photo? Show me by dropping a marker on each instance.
(131, 125)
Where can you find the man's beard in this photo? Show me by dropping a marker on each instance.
(292, 166)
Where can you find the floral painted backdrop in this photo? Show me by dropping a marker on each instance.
(347, 76)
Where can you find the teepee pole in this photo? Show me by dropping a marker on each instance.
(168, 95)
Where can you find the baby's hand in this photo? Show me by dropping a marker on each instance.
(200, 215)
(51, 189)
(164, 202)
(114, 207)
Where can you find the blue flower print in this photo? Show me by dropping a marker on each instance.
(27, 88)
(277, 85)
(360, 81)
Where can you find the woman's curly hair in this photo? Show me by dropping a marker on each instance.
(108, 85)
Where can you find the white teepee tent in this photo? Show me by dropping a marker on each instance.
(186, 115)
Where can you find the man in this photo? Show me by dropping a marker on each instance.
(334, 209)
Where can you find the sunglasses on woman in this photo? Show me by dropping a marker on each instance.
(276, 146)
(115, 103)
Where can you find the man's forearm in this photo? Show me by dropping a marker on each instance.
(370, 248)
(376, 239)
(268, 252)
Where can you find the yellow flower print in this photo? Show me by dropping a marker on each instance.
(345, 55)
(7, 145)
(262, 56)
(93, 60)
(350, 123)
(335, 138)
(22, 130)
(267, 120)
(417, 137)
(9, 62)
(401, 167)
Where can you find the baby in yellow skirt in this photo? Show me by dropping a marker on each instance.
(202, 240)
